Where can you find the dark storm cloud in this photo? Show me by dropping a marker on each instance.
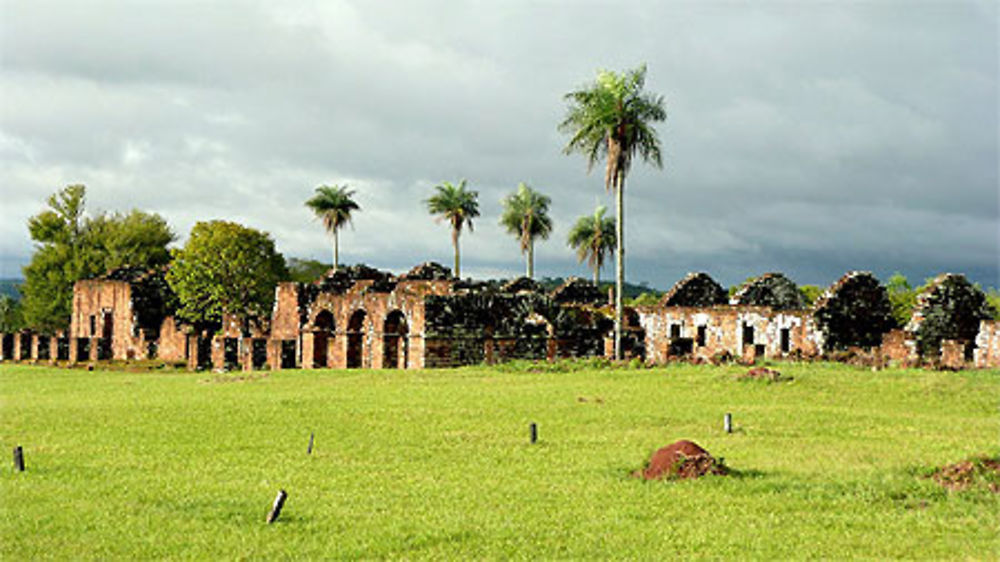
(808, 138)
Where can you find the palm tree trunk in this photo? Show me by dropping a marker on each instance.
(597, 276)
(531, 259)
(454, 241)
(619, 261)
(336, 251)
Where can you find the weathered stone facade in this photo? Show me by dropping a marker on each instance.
(746, 332)
(361, 317)
(853, 312)
(987, 351)
(772, 290)
(123, 314)
(949, 308)
(696, 289)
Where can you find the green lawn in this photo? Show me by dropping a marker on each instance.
(437, 464)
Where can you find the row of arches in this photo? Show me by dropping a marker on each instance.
(356, 345)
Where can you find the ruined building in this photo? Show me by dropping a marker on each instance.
(360, 317)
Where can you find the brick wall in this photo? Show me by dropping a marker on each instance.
(735, 330)
(103, 309)
(987, 351)
(900, 347)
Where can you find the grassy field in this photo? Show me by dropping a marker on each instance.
(437, 464)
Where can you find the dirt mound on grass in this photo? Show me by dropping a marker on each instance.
(682, 459)
(980, 472)
(763, 373)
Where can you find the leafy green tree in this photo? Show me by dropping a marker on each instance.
(811, 293)
(593, 237)
(993, 300)
(646, 299)
(11, 319)
(127, 239)
(613, 118)
(526, 215)
(333, 205)
(71, 246)
(225, 268)
(902, 298)
(458, 206)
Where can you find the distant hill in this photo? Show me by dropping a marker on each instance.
(9, 287)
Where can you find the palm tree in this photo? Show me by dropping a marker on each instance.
(612, 118)
(526, 215)
(457, 206)
(333, 205)
(593, 237)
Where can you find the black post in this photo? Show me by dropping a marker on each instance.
(310, 450)
(279, 502)
(534, 432)
(728, 423)
(18, 459)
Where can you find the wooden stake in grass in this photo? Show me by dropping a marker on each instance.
(279, 502)
(728, 423)
(534, 432)
(18, 459)
(309, 451)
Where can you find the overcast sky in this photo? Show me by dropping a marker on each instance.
(804, 137)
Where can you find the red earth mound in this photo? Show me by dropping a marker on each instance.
(682, 459)
(763, 373)
(982, 471)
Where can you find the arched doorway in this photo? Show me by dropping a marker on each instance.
(323, 329)
(395, 346)
(356, 340)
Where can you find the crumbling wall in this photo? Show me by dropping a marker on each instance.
(952, 354)
(725, 330)
(334, 342)
(522, 285)
(428, 271)
(899, 347)
(579, 292)
(122, 312)
(152, 298)
(487, 326)
(853, 312)
(286, 316)
(772, 290)
(696, 289)
(949, 308)
(103, 311)
(987, 351)
(172, 343)
(459, 328)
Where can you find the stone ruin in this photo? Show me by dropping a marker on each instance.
(853, 312)
(696, 289)
(361, 317)
(772, 290)
(949, 308)
(695, 319)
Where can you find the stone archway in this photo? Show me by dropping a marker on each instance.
(395, 344)
(323, 331)
(356, 345)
